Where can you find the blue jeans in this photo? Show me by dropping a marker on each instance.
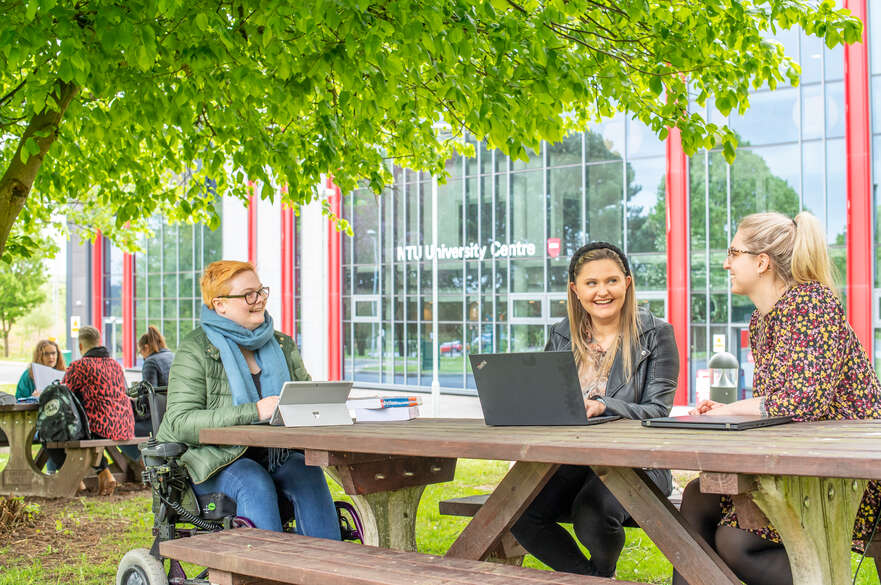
(256, 492)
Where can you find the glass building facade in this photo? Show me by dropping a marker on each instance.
(791, 157)
(167, 277)
(506, 230)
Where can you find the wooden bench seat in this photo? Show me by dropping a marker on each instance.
(469, 505)
(95, 443)
(249, 555)
(122, 468)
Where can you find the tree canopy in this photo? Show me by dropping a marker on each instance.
(112, 111)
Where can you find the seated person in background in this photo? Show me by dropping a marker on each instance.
(809, 364)
(99, 382)
(229, 372)
(47, 354)
(628, 365)
(157, 358)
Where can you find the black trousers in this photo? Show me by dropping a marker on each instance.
(753, 559)
(575, 494)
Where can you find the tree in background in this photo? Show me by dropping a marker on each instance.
(161, 105)
(21, 290)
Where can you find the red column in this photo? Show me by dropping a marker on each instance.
(128, 311)
(334, 299)
(252, 224)
(677, 256)
(859, 182)
(287, 269)
(98, 282)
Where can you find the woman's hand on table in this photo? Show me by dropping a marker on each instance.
(266, 406)
(594, 407)
(704, 407)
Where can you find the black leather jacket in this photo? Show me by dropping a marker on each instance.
(649, 391)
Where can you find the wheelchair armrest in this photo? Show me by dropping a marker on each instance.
(163, 450)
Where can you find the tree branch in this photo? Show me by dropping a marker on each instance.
(17, 181)
(9, 95)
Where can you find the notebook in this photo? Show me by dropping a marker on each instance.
(716, 423)
(536, 388)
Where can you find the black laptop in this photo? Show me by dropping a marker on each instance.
(536, 388)
(716, 423)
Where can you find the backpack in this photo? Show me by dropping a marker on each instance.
(61, 416)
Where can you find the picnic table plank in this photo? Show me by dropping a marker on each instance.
(87, 443)
(618, 443)
(789, 463)
(292, 558)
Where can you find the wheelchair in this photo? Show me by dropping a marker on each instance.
(179, 512)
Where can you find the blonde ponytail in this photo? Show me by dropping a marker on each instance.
(810, 256)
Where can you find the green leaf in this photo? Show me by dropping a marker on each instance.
(656, 85)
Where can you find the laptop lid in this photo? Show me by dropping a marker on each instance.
(312, 403)
(717, 423)
(535, 388)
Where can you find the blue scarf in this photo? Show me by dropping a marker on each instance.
(227, 336)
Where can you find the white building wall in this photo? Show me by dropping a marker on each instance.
(313, 268)
(313, 286)
(234, 223)
(269, 253)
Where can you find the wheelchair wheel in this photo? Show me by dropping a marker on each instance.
(139, 567)
(350, 523)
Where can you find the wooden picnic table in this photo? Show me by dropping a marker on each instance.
(22, 475)
(807, 478)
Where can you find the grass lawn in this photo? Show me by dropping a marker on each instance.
(80, 540)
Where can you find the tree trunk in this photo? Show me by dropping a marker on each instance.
(6, 343)
(17, 181)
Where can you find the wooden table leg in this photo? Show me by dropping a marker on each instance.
(385, 491)
(21, 477)
(681, 544)
(815, 518)
(388, 518)
(504, 506)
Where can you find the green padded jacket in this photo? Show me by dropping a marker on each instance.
(199, 397)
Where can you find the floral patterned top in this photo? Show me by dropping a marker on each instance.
(809, 364)
(590, 372)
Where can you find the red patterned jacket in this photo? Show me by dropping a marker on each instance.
(99, 381)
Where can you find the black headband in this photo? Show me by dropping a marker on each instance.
(597, 246)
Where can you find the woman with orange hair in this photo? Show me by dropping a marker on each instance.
(229, 371)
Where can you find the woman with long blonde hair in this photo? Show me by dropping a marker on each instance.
(46, 353)
(628, 366)
(809, 364)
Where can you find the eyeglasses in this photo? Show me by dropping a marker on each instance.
(734, 252)
(250, 297)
